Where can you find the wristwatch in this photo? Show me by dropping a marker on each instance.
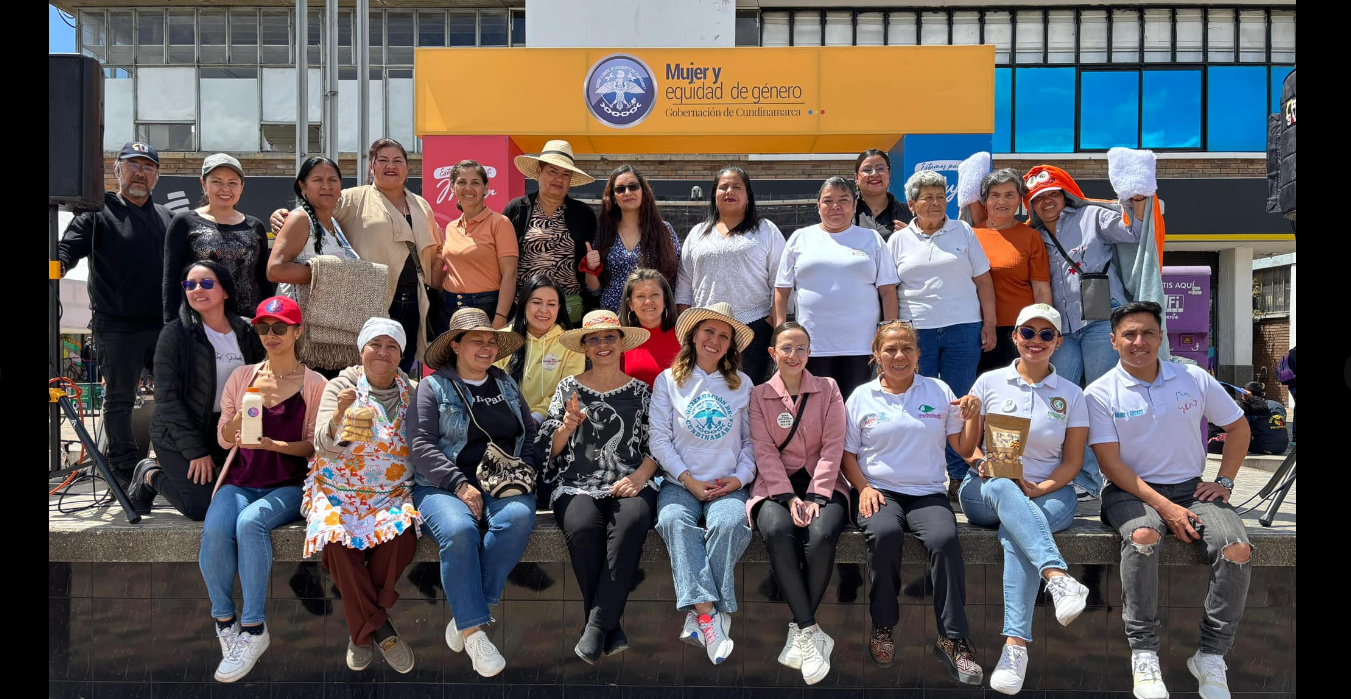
(1226, 483)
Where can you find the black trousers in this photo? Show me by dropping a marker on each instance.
(404, 311)
(802, 558)
(930, 518)
(605, 538)
(122, 355)
(1002, 355)
(849, 372)
(755, 358)
(173, 483)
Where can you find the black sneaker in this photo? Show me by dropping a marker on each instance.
(141, 494)
(616, 641)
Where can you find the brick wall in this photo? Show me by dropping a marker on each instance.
(1270, 341)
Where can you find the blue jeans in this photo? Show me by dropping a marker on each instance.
(237, 538)
(1025, 528)
(951, 354)
(473, 572)
(1086, 355)
(703, 558)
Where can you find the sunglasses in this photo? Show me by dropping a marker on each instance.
(279, 328)
(593, 341)
(1046, 335)
(622, 188)
(192, 284)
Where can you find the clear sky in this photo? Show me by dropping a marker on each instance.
(60, 35)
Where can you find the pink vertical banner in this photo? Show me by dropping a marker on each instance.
(495, 153)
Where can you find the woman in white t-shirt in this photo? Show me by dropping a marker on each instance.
(845, 282)
(196, 353)
(1028, 510)
(896, 427)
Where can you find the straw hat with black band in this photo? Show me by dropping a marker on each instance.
(557, 153)
(600, 321)
(719, 311)
(439, 353)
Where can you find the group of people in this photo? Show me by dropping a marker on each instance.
(683, 399)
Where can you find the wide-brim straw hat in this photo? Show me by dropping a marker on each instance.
(557, 153)
(439, 353)
(718, 311)
(598, 321)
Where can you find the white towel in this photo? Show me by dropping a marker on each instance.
(1132, 172)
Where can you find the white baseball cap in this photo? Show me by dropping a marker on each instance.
(1039, 310)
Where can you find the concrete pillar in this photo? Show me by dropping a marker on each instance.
(1234, 316)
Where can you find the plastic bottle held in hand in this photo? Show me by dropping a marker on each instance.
(251, 424)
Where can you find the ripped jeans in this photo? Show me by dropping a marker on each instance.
(1228, 590)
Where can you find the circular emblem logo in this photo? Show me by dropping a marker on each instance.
(253, 412)
(620, 91)
(1058, 404)
(1009, 405)
(709, 417)
(549, 361)
(785, 420)
(274, 305)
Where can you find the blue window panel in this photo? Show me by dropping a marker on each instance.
(1278, 75)
(1172, 109)
(1003, 110)
(1109, 109)
(1043, 110)
(1236, 108)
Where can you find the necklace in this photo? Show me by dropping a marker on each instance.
(287, 375)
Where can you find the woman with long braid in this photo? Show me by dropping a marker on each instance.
(310, 230)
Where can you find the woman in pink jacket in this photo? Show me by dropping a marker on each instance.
(799, 499)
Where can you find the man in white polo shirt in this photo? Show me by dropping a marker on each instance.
(1145, 428)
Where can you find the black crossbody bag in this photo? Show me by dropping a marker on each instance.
(1095, 288)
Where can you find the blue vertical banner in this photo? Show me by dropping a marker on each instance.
(939, 152)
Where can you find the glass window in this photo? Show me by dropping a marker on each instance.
(276, 37)
(229, 73)
(314, 27)
(400, 34)
(839, 29)
(281, 138)
(869, 31)
(1220, 35)
(1029, 36)
(117, 73)
(243, 36)
(807, 28)
(1125, 36)
(1093, 36)
(376, 31)
(1003, 110)
(167, 137)
(965, 28)
(492, 28)
(1043, 110)
(463, 28)
(518, 29)
(182, 37)
(121, 28)
(431, 28)
(747, 28)
(1236, 108)
(211, 29)
(933, 28)
(1278, 75)
(1158, 36)
(1109, 109)
(150, 36)
(1172, 109)
(998, 31)
(901, 29)
(93, 32)
(1282, 36)
(1252, 36)
(1060, 36)
(775, 29)
(1189, 32)
(346, 56)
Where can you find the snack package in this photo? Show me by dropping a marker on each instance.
(1005, 437)
(358, 425)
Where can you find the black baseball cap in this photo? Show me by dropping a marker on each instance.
(136, 149)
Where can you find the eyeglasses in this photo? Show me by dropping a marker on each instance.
(192, 284)
(279, 328)
(875, 170)
(593, 341)
(1046, 334)
(622, 188)
(133, 166)
(791, 350)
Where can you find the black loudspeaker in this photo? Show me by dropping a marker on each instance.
(74, 132)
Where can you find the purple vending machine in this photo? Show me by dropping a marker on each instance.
(1187, 312)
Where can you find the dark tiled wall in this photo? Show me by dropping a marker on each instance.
(144, 630)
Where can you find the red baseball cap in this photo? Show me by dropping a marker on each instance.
(282, 308)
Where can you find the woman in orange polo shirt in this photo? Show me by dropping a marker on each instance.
(479, 256)
(1018, 262)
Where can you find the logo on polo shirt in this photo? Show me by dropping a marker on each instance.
(1185, 401)
(708, 417)
(1127, 415)
(1058, 404)
(873, 419)
(926, 410)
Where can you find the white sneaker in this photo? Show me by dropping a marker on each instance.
(790, 656)
(1069, 597)
(815, 646)
(713, 629)
(690, 634)
(487, 661)
(227, 637)
(1209, 671)
(454, 640)
(1148, 675)
(242, 656)
(1008, 675)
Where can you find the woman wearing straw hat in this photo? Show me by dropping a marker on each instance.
(604, 498)
(466, 411)
(554, 231)
(701, 436)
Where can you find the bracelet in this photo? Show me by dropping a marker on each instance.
(503, 315)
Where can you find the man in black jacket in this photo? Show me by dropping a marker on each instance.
(125, 246)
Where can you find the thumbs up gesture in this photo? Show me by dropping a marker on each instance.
(592, 257)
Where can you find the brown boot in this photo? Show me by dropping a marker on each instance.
(957, 656)
(953, 486)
